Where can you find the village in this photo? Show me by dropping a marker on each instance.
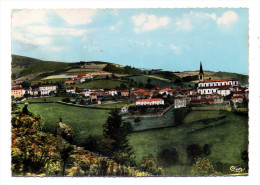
(206, 92)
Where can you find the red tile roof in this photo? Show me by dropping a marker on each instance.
(167, 89)
(146, 94)
(140, 90)
(221, 80)
(17, 88)
(124, 90)
(93, 94)
(149, 100)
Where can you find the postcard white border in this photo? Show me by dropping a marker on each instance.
(254, 79)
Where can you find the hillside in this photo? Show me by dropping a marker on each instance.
(23, 66)
(243, 79)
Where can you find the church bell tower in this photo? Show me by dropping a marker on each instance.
(201, 74)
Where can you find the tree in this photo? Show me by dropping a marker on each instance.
(203, 167)
(25, 109)
(148, 165)
(206, 150)
(65, 154)
(123, 86)
(193, 151)
(116, 130)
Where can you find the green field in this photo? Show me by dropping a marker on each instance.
(104, 84)
(226, 136)
(43, 99)
(84, 121)
(158, 81)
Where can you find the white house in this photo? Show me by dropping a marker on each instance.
(112, 92)
(218, 83)
(152, 101)
(166, 91)
(180, 102)
(71, 90)
(47, 89)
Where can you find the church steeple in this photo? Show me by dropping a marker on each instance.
(201, 73)
(201, 69)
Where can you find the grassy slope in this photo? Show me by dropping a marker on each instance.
(104, 84)
(157, 81)
(83, 121)
(31, 65)
(227, 137)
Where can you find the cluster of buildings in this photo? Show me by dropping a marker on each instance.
(79, 79)
(207, 92)
(43, 90)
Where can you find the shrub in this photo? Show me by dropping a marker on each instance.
(168, 157)
(203, 167)
(193, 151)
(65, 131)
(148, 165)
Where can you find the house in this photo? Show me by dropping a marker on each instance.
(86, 92)
(71, 90)
(100, 92)
(125, 93)
(179, 102)
(112, 92)
(152, 101)
(97, 102)
(93, 96)
(220, 86)
(69, 81)
(47, 89)
(237, 99)
(166, 91)
(17, 91)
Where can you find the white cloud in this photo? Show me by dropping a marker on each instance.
(175, 48)
(227, 18)
(144, 22)
(183, 24)
(46, 30)
(116, 26)
(28, 16)
(57, 49)
(76, 16)
(31, 39)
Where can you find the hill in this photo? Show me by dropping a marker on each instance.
(23, 66)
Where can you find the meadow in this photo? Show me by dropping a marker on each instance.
(159, 82)
(226, 135)
(104, 84)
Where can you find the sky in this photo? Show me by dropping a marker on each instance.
(169, 39)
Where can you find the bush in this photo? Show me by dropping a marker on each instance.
(203, 167)
(148, 165)
(65, 131)
(168, 157)
(193, 151)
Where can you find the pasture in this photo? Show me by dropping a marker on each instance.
(226, 135)
(104, 84)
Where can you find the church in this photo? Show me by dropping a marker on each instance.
(216, 86)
